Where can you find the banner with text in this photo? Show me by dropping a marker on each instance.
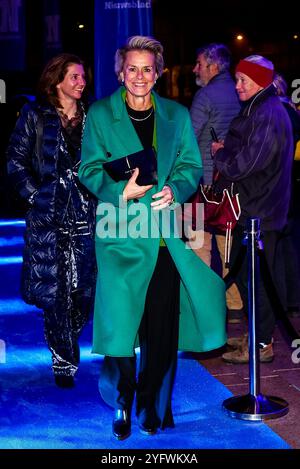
(114, 23)
(52, 29)
(12, 35)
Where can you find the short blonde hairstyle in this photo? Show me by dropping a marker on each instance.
(142, 43)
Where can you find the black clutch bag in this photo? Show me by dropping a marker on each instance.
(122, 168)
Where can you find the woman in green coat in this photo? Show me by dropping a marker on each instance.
(152, 290)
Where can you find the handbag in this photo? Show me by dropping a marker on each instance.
(221, 210)
(121, 169)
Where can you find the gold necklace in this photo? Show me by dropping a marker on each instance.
(144, 118)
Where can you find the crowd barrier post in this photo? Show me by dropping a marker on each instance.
(254, 406)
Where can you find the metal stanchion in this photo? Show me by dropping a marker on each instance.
(254, 406)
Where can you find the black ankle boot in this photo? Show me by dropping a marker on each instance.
(63, 381)
(121, 426)
(148, 421)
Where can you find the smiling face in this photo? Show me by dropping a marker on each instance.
(73, 84)
(139, 72)
(245, 86)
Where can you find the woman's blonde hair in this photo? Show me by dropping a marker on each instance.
(142, 43)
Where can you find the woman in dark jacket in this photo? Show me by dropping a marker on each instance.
(43, 154)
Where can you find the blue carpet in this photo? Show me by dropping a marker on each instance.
(35, 414)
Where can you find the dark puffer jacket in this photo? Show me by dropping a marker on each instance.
(258, 156)
(41, 165)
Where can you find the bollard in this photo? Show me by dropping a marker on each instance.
(254, 406)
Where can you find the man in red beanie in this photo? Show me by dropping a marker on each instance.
(257, 156)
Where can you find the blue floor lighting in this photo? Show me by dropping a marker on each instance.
(36, 414)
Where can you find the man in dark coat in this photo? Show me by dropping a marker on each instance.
(214, 106)
(257, 155)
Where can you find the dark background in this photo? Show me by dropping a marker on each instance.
(181, 26)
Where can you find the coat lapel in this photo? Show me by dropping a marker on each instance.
(122, 125)
(164, 139)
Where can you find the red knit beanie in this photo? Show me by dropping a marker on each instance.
(263, 76)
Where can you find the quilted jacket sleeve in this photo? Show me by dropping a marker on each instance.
(20, 152)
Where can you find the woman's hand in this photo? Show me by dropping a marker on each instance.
(215, 146)
(132, 190)
(166, 198)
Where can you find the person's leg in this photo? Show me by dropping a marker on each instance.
(205, 251)
(65, 317)
(82, 304)
(63, 324)
(273, 252)
(117, 385)
(59, 338)
(117, 382)
(273, 255)
(233, 297)
(158, 344)
(82, 277)
(241, 279)
(265, 307)
(240, 344)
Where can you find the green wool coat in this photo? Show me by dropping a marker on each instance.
(126, 263)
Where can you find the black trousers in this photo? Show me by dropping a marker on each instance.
(273, 251)
(158, 337)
